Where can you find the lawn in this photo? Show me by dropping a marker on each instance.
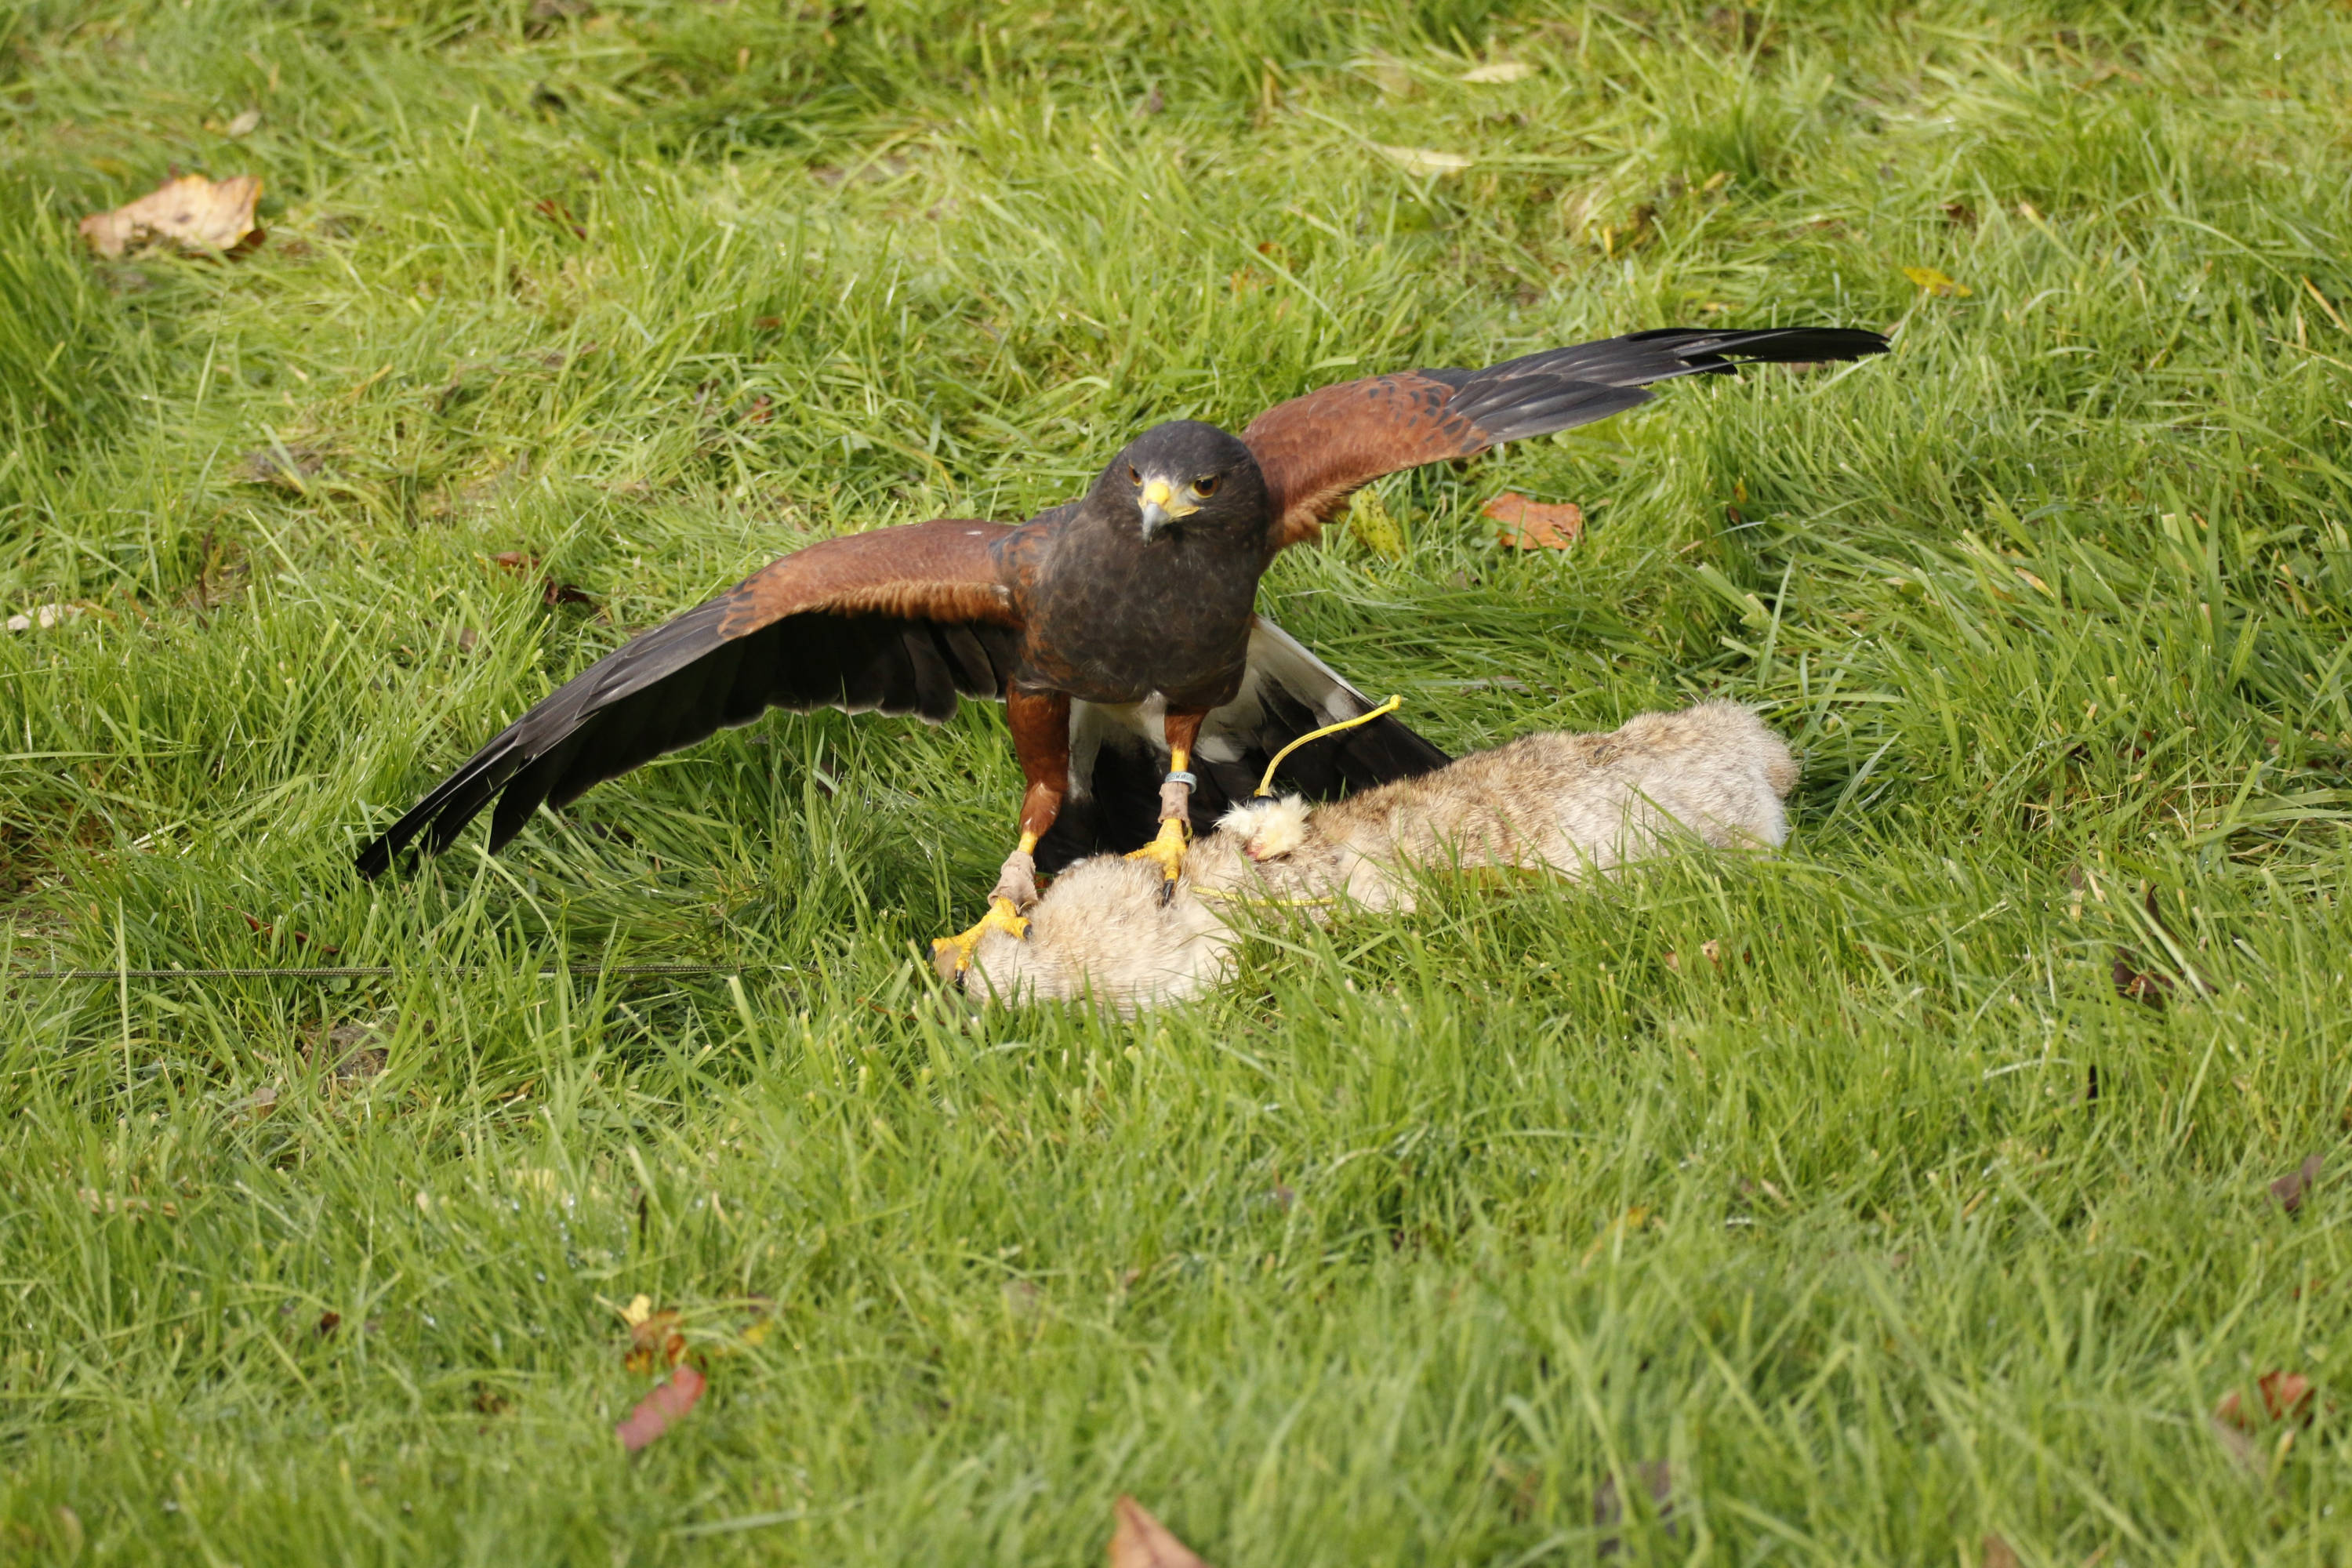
(1907, 1198)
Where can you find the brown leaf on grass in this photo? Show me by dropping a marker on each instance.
(286, 467)
(2135, 984)
(328, 1323)
(555, 212)
(1657, 1479)
(1139, 1541)
(1530, 525)
(2286, 1396)
(661, 1409)
(2290, 1188)
(550, 590)
(654, 1340)
(347, 1050)
(190, 212)
(1995, 1553)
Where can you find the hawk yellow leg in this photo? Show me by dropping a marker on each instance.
(1175, 819)
(1015, 889)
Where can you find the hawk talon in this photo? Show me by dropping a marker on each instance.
(952, 955)
(1168, 849)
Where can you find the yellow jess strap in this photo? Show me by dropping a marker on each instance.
(1265, 784)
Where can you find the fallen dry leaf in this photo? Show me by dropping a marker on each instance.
(245, 124)
(1995, 1553)
(1531, 524)
(2286, 1395)
(349, 1050)
(2290, 1188)
(550, 590)
(657, 1411)
(1657, 1479)
(1935, 283)
(2136, 984)
(44, 617)
(286, 467)
(190, 212)
(1499, 71)
(1424, 160)
(654, 1340)
(1139, 1541)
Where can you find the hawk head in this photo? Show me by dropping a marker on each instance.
(1186, 476)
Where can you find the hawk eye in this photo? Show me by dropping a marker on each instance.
(1206, 487)
(1133, 475)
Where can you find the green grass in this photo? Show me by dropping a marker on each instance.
(1403, 1246)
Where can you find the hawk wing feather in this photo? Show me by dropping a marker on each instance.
(1317, 450)
(899, 620)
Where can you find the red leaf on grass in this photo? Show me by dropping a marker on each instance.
(2286, 1395)
(668, 1404)
(1142, 1541)
(1529, 524)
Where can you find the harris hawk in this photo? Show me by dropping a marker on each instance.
(1140, 686)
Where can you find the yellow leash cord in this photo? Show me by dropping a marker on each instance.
(1265, 784)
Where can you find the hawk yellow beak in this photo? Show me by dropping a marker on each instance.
(1160, 507)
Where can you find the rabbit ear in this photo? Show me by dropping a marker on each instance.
(1269, 829)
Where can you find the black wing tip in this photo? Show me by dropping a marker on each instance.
(1767, 345)
(395, 845)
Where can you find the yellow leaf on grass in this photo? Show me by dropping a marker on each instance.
(190, 212)
(1935, 283)
(1373, 526)
(1424, 160)
(1498, 72)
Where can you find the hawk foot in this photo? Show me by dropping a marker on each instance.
(1168, 849)
(952, 955)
